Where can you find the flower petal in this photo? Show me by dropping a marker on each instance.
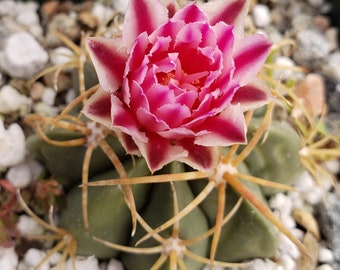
(191, 13)
(123, 119)
(142, 16)
(200, 157)
(226, 129)
(249, 57)
(109, 59)
(98, 108)
(252, 95)
(232, 12)
(158, 151)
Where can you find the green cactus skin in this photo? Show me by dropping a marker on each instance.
(248, 234)
(277, 159)
(159, 209)
(109, 216)
(66, 163)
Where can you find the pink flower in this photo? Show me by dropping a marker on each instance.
(176, 84)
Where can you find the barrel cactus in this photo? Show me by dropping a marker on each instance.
(177, 92)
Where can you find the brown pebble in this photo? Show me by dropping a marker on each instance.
(311, 90)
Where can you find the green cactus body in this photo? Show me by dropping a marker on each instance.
(248, 234)
(109, 216)
(159, 209)
(277, 159)
(58, 159)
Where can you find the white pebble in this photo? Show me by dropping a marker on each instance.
(34, 256)
(28, 226)
(61, 56)
(115, 265)
(88, 263)
(23, 61)
(333, 166)
(49, 96)
(288, 262)
(304, 182)
(11, 100)
(261, 15)
(20, 175)
(7, 7)
(8, 258)
(325, 255)
(314, 195)
(45, 109)
(101, 12)
(325, 267)
(12, 145)
(120, 5)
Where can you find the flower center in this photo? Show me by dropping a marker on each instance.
(164, 78)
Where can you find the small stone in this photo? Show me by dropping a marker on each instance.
(101, 12)
(120, 5)
(321, 22)
(312, 49)
(61, 56)
(34, 256)
(115, 265)
(27, 15)
(66, 25)
(325, 267)
(37, 90)
(8, 258)
(88, 263)
(23, 61)
(7, 8)
(312, 91)
(19, 175)
(261, 15)
(329, 219)
(28, 226)
(12, 145)
(332, 66)
(11, 100)
(325, 255)
(49, 96)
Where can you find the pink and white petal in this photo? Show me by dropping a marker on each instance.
(128, 143)
(225, 42)
(109, 59)
(177, 133)
(252, 96)
(191, 13)
(123, 119)
(249, 56)
(98, 108)
(173, 114)
(142, 16)
(149, 121)
(225, 129)
(200, 157)
(232, 12)
(158, 151)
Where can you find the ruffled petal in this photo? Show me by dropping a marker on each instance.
(123, 119)
(142, 16)
(249, 57)
(98, 108)
(252, 95)
(159, 152)
(191, 13)
(109, 59)
(128, 143)
(232, 12)
(200, 157)
(225, 129)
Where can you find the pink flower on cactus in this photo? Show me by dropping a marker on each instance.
(176, 84)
